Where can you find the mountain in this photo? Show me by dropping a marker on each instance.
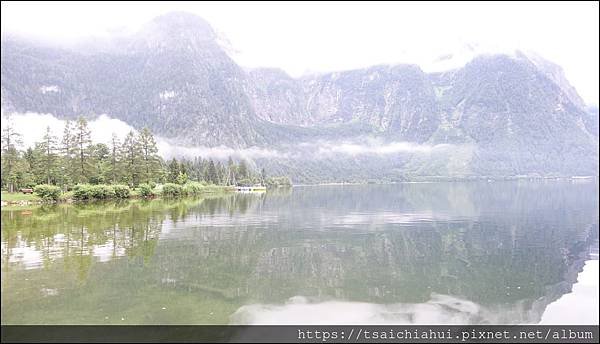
(498, 115)
(172, 77)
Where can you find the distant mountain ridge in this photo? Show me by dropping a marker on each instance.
(507, 115)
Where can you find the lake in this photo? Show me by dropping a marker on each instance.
(415, 253)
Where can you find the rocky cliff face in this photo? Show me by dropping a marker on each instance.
(396, 101)
(504, 115)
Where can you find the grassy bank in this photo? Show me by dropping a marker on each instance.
(84, 193)
(18, 197)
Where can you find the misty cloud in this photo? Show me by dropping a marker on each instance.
(32, 126)
(374, 147)
(221, 152)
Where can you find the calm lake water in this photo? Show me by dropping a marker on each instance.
(501, 252)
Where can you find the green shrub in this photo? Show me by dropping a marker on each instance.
(82, 192)
(277, 182)
(172, 190)
(121, 191)
(66, 196)
(47, 192)
(93, 192)
(182, 178)
(145, 190)
(192, 188)
(103, 192)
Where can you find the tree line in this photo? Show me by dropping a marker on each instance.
(74, 159)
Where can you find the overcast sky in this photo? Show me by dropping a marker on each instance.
(301, 38)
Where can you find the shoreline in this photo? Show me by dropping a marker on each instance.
(215, 190)
(459, 180)
(229, 189)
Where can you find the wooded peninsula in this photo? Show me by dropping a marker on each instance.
(73, 167)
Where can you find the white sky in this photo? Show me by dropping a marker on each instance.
(318, 37)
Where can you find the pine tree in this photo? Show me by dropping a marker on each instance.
(174, 171)
(31, 166)
(150, 159)
(211, 173)
(83, 142)
(130, 159)
(49, 161)
(115, 146)
(231, 172)
(67, 170)
(243, 170)
(10, 155)
(196, 173)
(263, 176)
(100, 161)
(221, 173)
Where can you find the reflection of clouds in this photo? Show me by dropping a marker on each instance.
(181, 228)
(106, 252)
(31, 256)
(440, 309)
(580, 307)
(27, 256)
(49, 292)
(225, 220)
(384, 218)
(388, 218)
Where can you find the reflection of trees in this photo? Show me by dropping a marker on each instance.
(70, 233)
(492, 244)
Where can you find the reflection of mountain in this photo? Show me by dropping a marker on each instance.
(504, 247)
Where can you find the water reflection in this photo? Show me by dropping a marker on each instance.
(407, 253)
(440, 310)
(580, 307)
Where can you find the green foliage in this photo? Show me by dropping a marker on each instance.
(18, 197)
(173, 171)
(277, 182)
(192, 188)
(145, 190)
(93, 192)
(172, 190)
(121, 191)
(130, 159)
(66, 196)
(182, 178)
(103, 191)
(243, 170)
(83, 192)
(83, 150)
(74, 163)
(211, 173)
(149, 160)
(47, 192)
